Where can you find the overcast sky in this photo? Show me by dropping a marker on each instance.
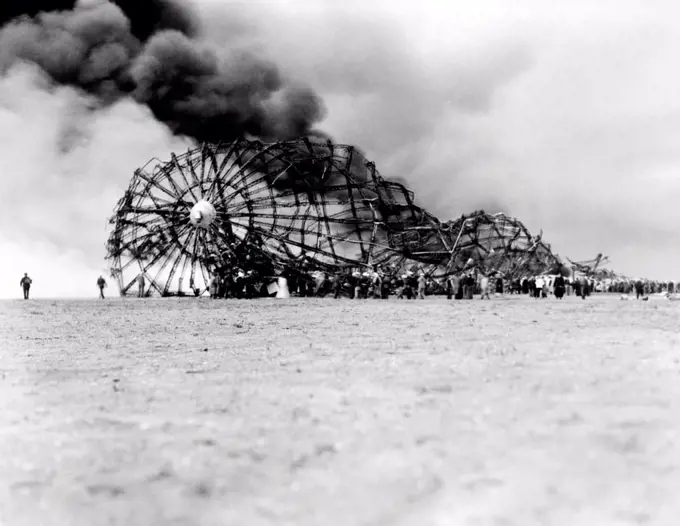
(566, 117)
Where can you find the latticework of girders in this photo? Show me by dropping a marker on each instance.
(489, 243)
(589, 267)
(283, 204)
(295, 204)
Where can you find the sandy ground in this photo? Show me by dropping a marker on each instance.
(320, 412)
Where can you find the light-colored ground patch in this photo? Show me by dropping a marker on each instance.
(320, 412)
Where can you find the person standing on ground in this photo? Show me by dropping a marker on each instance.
(422, 283)
(457, 287)
(449, 287)
(471, 286)
(546, 287)
(499, 284)
(141, 284)
(583, 287)
(386, 285)
(101, 283)
(214, 286)
(538, 288)
(356, 284)
(524, 285)
(484, 287)
(377, 280)
(559, 287)
(532, 287)
(25, 283)
(339, 279)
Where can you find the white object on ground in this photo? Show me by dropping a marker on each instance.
(283, 291)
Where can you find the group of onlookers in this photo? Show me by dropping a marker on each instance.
(380, 283)
(640, 286)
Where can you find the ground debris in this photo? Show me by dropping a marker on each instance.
(110, 490)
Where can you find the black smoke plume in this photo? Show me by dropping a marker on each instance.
(12, 9)
(149, 51)
(212, 98)
(148, 17)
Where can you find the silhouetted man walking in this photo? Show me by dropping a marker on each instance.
(26, 284)
(101, 283)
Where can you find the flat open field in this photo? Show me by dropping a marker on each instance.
(335, 413)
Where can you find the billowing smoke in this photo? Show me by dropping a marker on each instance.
(148, 17)
(13, 9)
(148, 51)
(211, 98)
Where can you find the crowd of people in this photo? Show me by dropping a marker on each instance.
(381, 283)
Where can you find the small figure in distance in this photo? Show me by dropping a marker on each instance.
(141, 283)
(101, 283)
(25, 283)
(484, 287)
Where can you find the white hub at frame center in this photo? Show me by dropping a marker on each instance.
(202, 214)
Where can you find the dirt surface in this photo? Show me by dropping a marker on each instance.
(321, 412)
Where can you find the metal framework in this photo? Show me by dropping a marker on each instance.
(270, 207)
(590, 266)
(489, 243)
(247, 203)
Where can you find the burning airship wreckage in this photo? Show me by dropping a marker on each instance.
(295, 206)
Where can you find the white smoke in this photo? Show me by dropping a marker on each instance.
(64, 165)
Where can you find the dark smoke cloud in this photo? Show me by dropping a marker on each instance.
(11, 9)
(90, 48)
(148, 17)
(148, 51)
(212, 98)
